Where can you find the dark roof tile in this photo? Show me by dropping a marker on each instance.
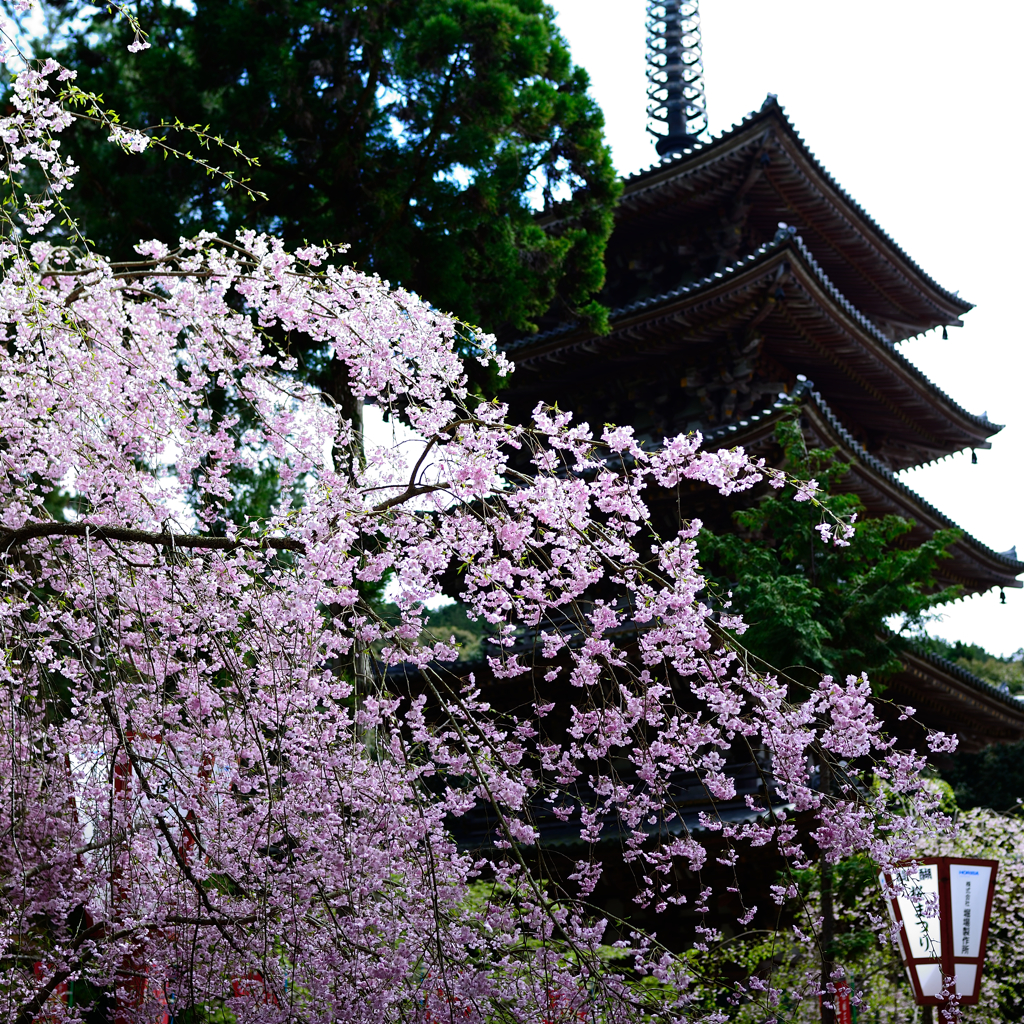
(771, 107)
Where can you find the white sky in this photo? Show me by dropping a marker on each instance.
(914, 107)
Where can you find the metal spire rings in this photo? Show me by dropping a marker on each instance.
(675, 74)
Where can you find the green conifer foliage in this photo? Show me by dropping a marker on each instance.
(425, 133)
(815, 607)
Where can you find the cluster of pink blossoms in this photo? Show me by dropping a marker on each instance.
(212, 793)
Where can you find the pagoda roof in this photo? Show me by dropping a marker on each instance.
(948, 697)
(763, 166)
(781, 296)
(973, 565)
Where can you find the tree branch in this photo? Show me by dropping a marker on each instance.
(15, 538)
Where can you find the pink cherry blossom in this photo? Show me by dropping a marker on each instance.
(229, 779)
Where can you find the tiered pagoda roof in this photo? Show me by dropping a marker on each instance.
(782, 316)
(737, 273)
(728, 196)
(973, 566)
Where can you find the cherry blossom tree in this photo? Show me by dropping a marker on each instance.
(213, 792)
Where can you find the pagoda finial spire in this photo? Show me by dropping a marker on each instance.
(675, 74)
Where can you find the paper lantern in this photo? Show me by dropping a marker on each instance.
(943, 905)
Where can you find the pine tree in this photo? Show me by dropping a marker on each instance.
(425, 133)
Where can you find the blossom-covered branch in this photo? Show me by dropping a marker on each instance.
(232, 779)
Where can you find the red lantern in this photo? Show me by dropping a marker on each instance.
(253, 986)
(842, 1002)
(942, 906)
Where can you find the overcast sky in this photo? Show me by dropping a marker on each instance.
(914, 107)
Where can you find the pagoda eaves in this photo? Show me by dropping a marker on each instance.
(738, 337)
(973, 566)
(734, 191)
(948, 697)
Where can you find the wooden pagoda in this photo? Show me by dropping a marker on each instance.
(742, 278)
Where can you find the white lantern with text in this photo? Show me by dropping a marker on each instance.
(942, 907)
